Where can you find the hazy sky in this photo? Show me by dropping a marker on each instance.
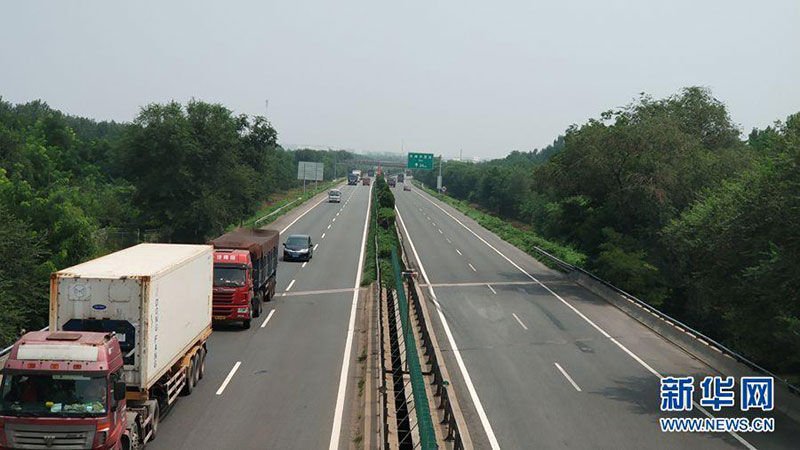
(486, 77)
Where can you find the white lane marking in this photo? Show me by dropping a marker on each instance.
(301, 215)
(449, 241)
(304, 264)
(491, 288)
(228, 378)
(569, 378)
(269, 316)
(334, 219)
(575, 310)
(487, 427)
(440, 231)
(348, 345)
(323, 236)
(459, 252)
(472, 267)
(516, 317)
(290, 285)
(428, 217)
(434, 223)
(337, 214)
(315, 247)
(329, 226)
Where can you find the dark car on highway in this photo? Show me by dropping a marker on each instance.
(298, 247)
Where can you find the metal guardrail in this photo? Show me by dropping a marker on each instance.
(277, 211)
(453, 433)
(7, 350)
(671, 320)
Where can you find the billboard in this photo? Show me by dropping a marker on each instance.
(311, 171)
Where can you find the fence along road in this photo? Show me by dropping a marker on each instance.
(551, 364)
(284, 392)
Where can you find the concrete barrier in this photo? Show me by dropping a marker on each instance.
(785, 401)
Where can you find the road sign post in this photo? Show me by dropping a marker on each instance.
(422, 161)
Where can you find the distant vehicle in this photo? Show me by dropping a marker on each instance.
(335, 196)
(392, 182)
(357, 172)
(298, 247)
(365, 181)
(352, 179)
(245, 265)
(406, 187)
(401, 177)
(127, 335)
(370, 173)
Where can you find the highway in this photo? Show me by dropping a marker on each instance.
(539, 362)
(281, 383)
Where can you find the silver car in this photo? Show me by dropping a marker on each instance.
(335, 195)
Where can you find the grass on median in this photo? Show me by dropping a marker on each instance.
(524, 240)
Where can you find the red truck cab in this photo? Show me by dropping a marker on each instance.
(233, 286)
(63, 390)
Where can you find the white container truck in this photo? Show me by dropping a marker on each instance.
(157, 298)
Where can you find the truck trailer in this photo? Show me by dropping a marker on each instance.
(245, 267)
(127, 336)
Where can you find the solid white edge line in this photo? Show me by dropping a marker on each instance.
(575, 310)
(348, 345)
(269, 316)
(301, 215)
(228, 378)
(519, 321)
(472, 267)
(291, 283)
(491, 288)
(569, 378)
(487, 427)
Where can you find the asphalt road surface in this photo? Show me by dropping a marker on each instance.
(279, 384)
(541, 362)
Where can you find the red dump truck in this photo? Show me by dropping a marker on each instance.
(245, 266)
(129, 334)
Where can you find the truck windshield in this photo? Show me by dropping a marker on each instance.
(229, 276)
(53, 395)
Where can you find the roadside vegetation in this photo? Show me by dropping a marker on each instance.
(665, 200)
(382, 226)
(73, 188)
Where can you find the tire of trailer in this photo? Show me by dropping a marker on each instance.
(202, 369)
(154, 420)
(188, 385)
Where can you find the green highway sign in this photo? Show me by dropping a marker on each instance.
(420, 161)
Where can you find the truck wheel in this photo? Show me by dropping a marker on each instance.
(154, 420)
(196, 367)
(257, 305)
(201, 370)
(188, 385)
(246, 324)
(131, 440)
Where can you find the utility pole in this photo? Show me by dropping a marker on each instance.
(439, 178)
(266, 108)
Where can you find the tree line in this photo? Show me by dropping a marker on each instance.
(666, 201)
(73, 188)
